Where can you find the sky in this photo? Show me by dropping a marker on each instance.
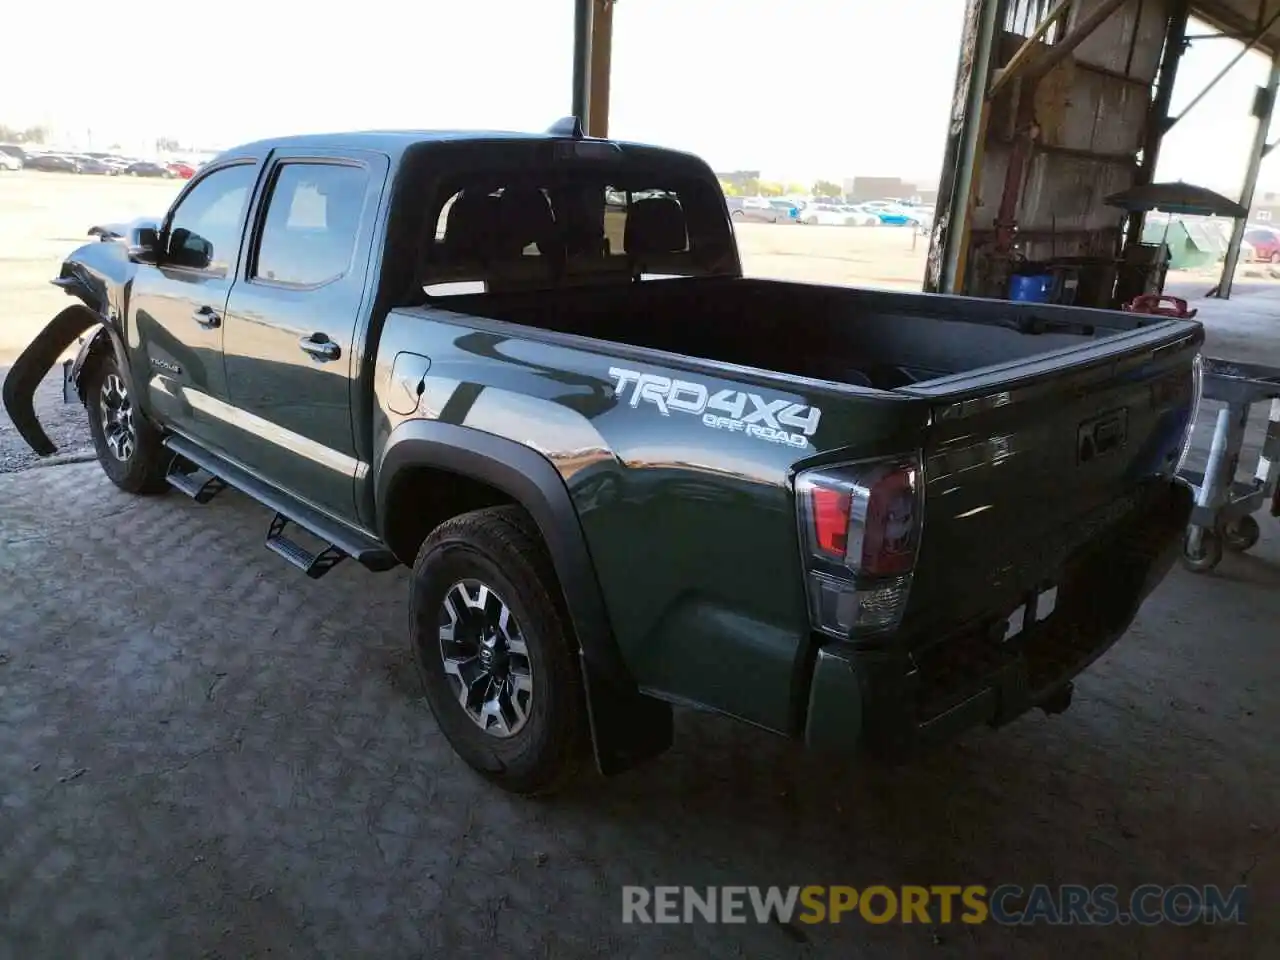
(799, 89)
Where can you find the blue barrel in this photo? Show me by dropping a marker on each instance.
(1031, 288)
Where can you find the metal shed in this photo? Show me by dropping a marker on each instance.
(1057, 104)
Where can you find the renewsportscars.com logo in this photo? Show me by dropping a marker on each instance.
(1007, 904)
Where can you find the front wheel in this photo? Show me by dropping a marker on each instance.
(129, 449)
(495, 653)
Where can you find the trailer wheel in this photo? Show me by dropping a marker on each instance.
(1242, 534)
(1207, 557)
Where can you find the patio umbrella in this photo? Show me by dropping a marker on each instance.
(1177, 197)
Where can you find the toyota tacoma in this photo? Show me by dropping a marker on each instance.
(624, 475)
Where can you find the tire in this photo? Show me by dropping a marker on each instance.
(1274, 258)
(1208, 556)
(135, 464)
(1241, 535)
(473, 574)
(812, 221)
(736, 215)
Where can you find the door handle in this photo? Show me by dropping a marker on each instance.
(207, 317)
(320, 346)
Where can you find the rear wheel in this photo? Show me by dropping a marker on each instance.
(495, 653)
(129, 449)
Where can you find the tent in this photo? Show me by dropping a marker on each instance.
(1193, 243)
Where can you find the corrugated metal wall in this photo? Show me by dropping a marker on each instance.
(1090, 114)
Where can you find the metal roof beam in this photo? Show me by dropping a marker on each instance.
(1263, 107)
(1028, 48)
(1064, 47)
(1254, 40)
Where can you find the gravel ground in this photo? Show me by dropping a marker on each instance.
(204, 754)
(64, 422)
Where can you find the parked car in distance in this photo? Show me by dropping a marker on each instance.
(52, 163)
(146, 168)
(14, 151)
(890, 214)
(115, 161)
(826, 215)
(923, 217)
(9, 161)
(788, 210)
(180, 169)
(1265, 243)
(756, 209)
(88, 164)
(859, 216)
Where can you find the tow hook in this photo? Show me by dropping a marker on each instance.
(1058, 700)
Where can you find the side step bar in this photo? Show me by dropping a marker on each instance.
(198, 484)
(314, 565)
(215, 473)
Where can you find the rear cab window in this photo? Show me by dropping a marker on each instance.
(549, 225)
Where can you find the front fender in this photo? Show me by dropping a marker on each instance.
(31, 367)
(99, 275)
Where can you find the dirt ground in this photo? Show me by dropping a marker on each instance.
(204, 754)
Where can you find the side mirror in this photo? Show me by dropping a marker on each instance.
(187, 249)
(144, 244)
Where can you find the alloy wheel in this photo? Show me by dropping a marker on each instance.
(485, 658)
(117, 418)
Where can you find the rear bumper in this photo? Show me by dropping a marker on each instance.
(892, 701)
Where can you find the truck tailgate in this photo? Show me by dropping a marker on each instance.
(1024, 461)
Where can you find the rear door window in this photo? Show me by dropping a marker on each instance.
(313, 217)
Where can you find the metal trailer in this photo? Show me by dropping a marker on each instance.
(1223, 515)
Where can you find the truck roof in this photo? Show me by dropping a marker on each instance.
(395, 143)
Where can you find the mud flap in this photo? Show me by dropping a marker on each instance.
(31, 367)
(627, 727)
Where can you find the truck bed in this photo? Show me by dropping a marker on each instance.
(879, 339)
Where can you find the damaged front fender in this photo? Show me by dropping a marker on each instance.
(100, 276)
(31, 367)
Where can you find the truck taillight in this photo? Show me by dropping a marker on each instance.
(859, 529)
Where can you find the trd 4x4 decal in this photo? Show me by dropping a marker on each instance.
(775, 420)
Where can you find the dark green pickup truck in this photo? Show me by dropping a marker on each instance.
(626, 476)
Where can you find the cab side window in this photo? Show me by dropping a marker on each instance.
(313, 217)
(206, 226)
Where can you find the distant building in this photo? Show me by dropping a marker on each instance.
(878, 188)
(1266, 208)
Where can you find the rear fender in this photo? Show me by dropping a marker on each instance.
(627, 727)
